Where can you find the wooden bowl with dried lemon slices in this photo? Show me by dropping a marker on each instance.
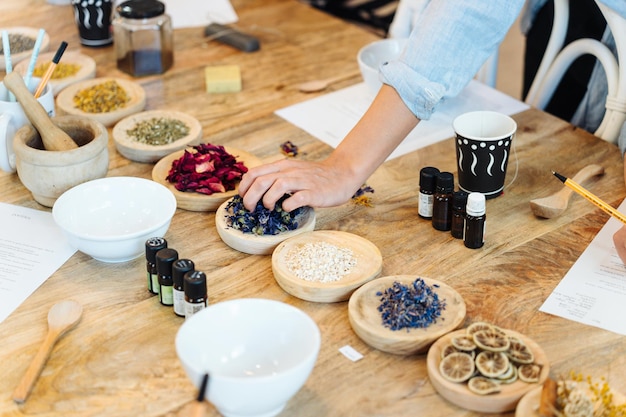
(367, 321)
(106, 99)
(325, 266)
(485, 368)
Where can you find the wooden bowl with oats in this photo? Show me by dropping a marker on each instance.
(325, 266)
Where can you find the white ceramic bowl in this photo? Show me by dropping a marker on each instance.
(372, 55)
(111, 218)
(258, 353)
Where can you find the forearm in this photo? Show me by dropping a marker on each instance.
(379, 132)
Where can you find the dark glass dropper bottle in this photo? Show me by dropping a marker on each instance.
(442, 204)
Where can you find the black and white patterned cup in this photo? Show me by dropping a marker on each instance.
(483, 144)
(93, 19)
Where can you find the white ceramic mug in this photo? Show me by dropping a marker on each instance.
(12, 117)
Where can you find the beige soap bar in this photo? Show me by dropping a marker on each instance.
(222, 79)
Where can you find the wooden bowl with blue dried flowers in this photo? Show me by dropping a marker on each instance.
(260, 231)
(405, 314)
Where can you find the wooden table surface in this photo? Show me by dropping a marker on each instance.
(121, 359)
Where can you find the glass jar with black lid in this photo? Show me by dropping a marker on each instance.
(143, 37)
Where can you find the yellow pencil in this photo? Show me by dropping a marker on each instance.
(591, 197)
(50, 70)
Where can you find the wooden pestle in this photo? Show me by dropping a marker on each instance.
(53, 138)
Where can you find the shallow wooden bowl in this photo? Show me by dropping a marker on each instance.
(193, 201)
(367, 322)
(65, 100)
(528, 406)
(136, 151)
(368, 266)
(460, 395)
(86, 71)
(18, 57)
(255, 244)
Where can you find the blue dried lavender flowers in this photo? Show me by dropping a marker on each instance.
(261, 221)
(417, 305)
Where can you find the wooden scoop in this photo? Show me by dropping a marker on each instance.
(555, 205)
(54, 139)
(61, 317)
(314, 86)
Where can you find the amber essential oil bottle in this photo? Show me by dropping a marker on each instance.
(474, 236)
(442, 203)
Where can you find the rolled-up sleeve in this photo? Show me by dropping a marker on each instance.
(451, 41)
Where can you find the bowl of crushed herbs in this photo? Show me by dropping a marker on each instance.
(150, 135)
(260, 231)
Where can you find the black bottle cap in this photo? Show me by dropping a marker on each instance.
(141, 9)
(179, 269)
(459, 200)
(195, 285)
(164, 260)
(153, 245)
(428, 176)
(445, 182)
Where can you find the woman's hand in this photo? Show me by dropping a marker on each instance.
(315, 184)
(619, 239)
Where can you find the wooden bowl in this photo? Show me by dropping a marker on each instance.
(86, 71)
(366, 320)
(193, 201)
(136, 151)
(20, 56)
(528, 406)
(65, 100)
(255, 244)
(460, 395)
(368, 266)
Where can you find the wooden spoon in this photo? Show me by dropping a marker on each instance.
(53, 138)
(319, 85)
(61, 317)
(555, 205)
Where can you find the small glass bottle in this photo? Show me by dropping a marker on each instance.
(459, 201)
(196, 297)
(442, 203)
(428, 176)
(165, 259)
(143, 37)
(179, 269)
(474, 236)
(153, 245)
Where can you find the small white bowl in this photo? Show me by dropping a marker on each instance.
(258, 354)
(259, 244)
(371, 56)
(111, 218)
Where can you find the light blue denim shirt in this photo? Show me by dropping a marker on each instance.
(448, 44)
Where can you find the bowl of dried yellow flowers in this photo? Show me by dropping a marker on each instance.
(107, 100)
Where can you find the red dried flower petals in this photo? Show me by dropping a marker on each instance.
(210, 169)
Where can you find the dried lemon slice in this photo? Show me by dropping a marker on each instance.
(463, 342)
(457, 367)
(479, 325)
(529, 372)
(492, 364)
(519, 352)
(509, 376)
(491, 340)
(483, 386)
(448, 349)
